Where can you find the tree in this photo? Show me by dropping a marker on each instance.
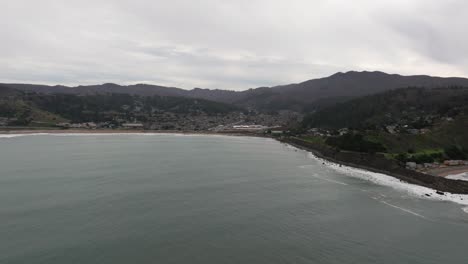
(456, 152)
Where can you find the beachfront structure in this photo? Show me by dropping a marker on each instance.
(132, 125)
(454, 162)
(249, 127)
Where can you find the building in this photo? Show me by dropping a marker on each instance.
(391, 129)
(63, 125)
(132, 125)
(411, 165)
(343, 131)
(453, 162)
(91, 125)
(249, 127)
(3, 121)
(277, 132)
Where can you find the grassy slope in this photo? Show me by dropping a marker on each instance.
(454, 132)
(314, 139)
(402, 106)
(442, 135)
(39, 117)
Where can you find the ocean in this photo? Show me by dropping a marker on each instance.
(161, 198)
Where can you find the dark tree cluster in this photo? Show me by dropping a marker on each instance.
(355, 142)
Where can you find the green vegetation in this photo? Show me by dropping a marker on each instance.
(398, 143)
(100, 108)
(411, 107)
(24, 114)
(422, 157)
(314, 139)
(412, 124)
(405, 148)
(32, 109)
(452, 152)
(355, 142)
(456, 152)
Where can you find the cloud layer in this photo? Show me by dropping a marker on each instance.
(227, 44)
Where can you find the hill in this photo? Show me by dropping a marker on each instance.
(417, 124)
(99, 108)
(306, 96)
(19, 112)
(411, 108)
(20, 108)
(323, 92)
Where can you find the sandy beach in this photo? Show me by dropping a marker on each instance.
(444, 172)
(63, 131)
(124, 131)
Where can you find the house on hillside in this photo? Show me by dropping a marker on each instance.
(3, 121)
(277, 132)
(454, 162)
(63, 125)
(343, 131)
(392, 129)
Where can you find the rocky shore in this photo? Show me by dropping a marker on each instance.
(378, 163)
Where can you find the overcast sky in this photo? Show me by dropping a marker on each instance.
(227, 44)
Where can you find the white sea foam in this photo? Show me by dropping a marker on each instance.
(377, 178)
(117, 134)
(386, 180)
(20, 135)
(63, 134)
(329, 180)
(461, 176)
(382, 179)
(77, 134)
(376, 196)
(403, 209)
(8, 136)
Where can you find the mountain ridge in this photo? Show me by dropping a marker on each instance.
(297, 96)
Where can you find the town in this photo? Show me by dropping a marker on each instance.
(170, 121)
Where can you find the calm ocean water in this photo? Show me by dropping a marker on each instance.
(207, 199)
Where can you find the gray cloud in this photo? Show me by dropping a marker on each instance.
(227, 44)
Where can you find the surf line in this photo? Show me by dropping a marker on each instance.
(328, 180)
(403, 209)
(320, 178)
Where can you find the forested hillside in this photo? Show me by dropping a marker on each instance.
(24, 108)
(411, 107)
(416, 124)
(304, 96)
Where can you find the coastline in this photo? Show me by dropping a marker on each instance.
(383, 178)
(378, 164)
(122, 131)
(447, 171)
(435, 186)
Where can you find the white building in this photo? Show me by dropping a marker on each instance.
(133, 125)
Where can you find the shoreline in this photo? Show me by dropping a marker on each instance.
(448, 171)
(376, 164)
(123, 131)
(381, 179)
(386, 179)
(393, 178)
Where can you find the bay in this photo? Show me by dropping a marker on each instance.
(207, 199)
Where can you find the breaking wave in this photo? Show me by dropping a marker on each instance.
(386, 180)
